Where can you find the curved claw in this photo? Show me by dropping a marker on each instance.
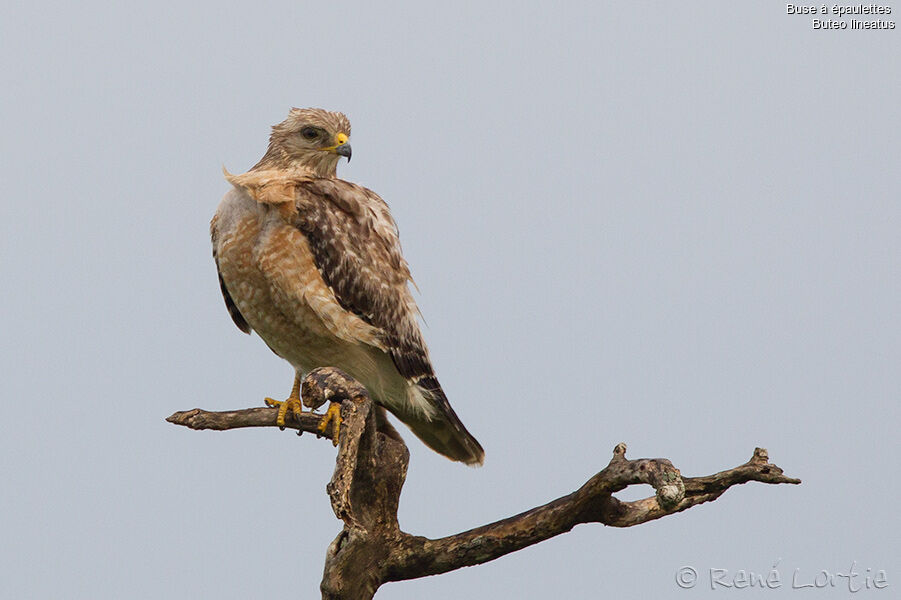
(291, 403)
(332, 415)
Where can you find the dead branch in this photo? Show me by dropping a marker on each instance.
(372, 465)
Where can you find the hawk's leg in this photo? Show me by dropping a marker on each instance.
(292, 403)
(332, 414)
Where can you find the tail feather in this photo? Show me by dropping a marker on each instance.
(441, 429)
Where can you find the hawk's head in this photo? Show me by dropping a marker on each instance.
(310, 139)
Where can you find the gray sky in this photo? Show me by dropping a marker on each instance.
(675, 226)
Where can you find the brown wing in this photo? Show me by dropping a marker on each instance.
(355, 246)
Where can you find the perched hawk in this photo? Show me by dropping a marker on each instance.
(313, 264)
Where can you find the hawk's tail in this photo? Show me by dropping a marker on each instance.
(442, 430)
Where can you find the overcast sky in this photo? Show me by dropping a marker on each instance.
(674, 225)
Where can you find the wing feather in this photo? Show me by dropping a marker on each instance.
(355, 246)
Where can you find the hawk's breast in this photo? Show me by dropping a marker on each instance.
(270, 274)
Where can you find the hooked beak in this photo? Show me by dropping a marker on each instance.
(341, 147)
(343, 150)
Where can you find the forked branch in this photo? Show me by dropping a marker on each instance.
(371, 467)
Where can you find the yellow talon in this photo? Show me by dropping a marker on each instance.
(292, 402)
(333, 414)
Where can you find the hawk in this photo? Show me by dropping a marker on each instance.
(313, 264)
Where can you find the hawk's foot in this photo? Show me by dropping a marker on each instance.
(292, 404)
(332, 415)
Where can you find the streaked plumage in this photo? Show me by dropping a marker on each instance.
(313, 264)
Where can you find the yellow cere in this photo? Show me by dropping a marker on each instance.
(340, 140)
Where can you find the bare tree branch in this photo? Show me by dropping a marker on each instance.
(369, 475)
(248, 417)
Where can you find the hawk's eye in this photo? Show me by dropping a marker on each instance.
(309, 133)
